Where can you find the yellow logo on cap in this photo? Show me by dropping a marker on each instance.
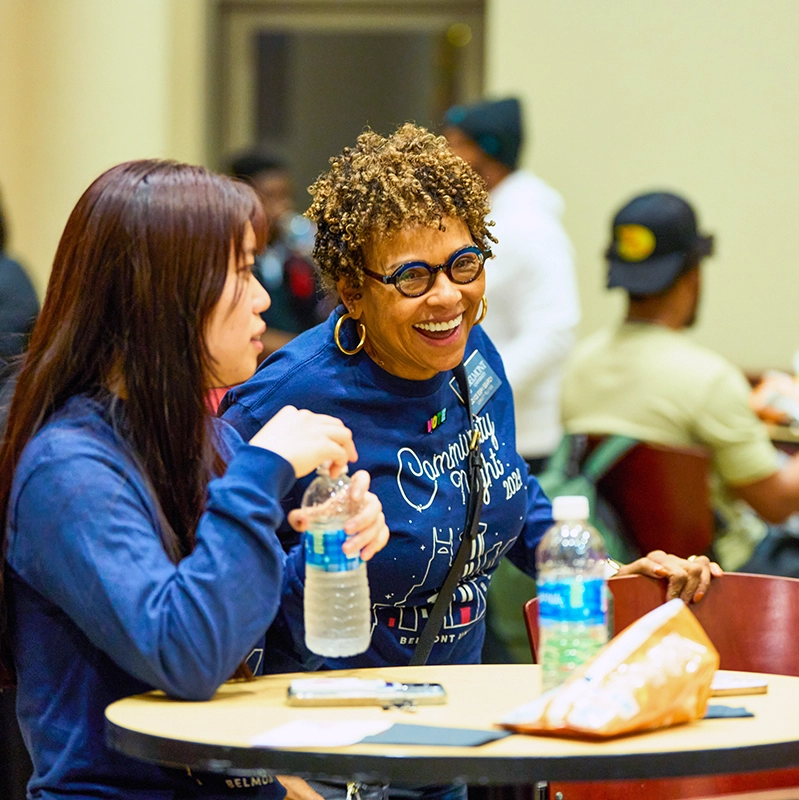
(635, 242)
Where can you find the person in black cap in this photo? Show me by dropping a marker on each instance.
(531, 287)
(646, 379)
(655, 241)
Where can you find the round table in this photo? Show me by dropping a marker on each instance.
(216, 735)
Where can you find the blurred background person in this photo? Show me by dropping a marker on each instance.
(285, 268)
(531, 287)
(531, 291)
(19, 307)
(645, 378)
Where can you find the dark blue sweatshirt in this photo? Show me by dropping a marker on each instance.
(411, 436)
(97, 611)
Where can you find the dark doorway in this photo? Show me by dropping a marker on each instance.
(303, 85)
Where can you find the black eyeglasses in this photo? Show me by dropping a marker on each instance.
(417, 277)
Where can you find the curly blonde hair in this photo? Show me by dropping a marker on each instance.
(383, 185)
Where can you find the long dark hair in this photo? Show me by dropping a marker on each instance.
(140, 266)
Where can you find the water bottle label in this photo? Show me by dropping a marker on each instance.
(572, 601)
(323, 551)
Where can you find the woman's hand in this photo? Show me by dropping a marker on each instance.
(688, 579)
(367, 531)
(306, 439)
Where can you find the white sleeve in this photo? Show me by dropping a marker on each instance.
(536, 294)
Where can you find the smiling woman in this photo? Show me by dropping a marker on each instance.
(402, 237)
(417, 337)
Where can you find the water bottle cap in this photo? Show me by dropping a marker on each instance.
(324, 469)
(570, 507)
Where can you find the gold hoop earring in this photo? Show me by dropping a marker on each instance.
(361, 333)
(483, 312)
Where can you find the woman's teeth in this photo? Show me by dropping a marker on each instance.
(440, 326)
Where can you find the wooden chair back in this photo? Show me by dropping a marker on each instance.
(662, 497)
(749, 618)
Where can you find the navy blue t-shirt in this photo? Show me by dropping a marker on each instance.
(412, 437)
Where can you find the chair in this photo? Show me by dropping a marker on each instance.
(750, 620)
(661, 495)
(746, 617)
(659, 498)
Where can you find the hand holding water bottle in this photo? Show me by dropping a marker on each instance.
(367, 532)
(305, 440)
(337, 606)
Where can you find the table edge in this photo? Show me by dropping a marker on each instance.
(441, 768)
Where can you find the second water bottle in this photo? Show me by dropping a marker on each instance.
(572, 591)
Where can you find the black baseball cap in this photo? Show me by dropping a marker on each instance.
(654, 239)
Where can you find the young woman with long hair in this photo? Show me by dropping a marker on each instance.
(139, 548)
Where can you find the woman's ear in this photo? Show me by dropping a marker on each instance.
(351, 297)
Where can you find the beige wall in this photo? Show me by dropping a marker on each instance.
(86, 84)
(621, 96)
(701, 97)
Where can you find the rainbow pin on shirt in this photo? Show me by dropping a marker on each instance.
(436, 420)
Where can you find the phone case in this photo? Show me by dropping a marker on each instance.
(359, 692)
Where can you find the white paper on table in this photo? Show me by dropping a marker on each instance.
(319, 733)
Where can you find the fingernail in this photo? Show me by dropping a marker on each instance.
(698, 596)
(661, 570)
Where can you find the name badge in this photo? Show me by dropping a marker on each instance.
(483, 381)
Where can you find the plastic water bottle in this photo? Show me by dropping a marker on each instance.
(337, 608)
(572, 593)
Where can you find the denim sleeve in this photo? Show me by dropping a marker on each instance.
(82, 535)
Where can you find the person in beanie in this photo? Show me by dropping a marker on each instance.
(531, 288)
(646, 379)
(534, 310)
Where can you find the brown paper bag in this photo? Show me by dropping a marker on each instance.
(655, 673)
